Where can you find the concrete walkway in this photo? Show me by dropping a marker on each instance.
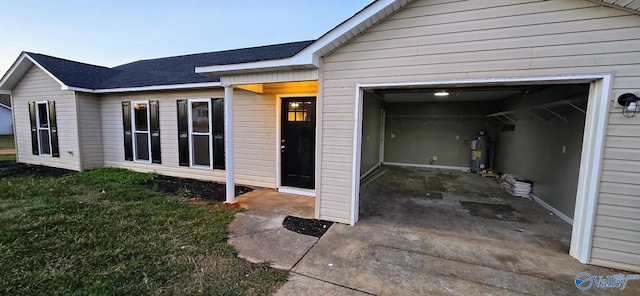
(375, 258)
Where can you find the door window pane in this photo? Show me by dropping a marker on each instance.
(140, 117)
(43, 117)
(200, 144)
(299, 111)
(44, 142)
(200, 117)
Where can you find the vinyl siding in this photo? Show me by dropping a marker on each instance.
(36, 85)
(254, 133)
(113, 134)
(438, 40)
(90, 126)
(270, 77)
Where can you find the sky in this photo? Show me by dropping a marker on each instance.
(115, 32)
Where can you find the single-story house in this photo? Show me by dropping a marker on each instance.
(6, 120)
(401, 82)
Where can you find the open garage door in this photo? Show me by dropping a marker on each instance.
(415, 157)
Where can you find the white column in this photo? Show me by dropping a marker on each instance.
(228, 142)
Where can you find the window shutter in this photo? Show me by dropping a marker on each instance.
(126, 121)
(34, 128)
(183, 133)
(154, 128)
(218, 133)
(53, 128)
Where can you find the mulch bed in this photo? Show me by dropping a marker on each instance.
(188, 188)
(310, 227)
(191, 188)
(10, 168)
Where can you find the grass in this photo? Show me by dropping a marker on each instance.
(7, 142)
(7, 157)
(102, 233)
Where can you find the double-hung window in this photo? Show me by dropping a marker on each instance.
(141, 134)
(44, 130)
(201, 133)
(141, 131)
(200, 148)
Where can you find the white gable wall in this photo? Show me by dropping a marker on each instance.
(445, 39)
(36, 85)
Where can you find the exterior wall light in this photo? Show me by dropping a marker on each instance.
(442, 93)
(631, 104)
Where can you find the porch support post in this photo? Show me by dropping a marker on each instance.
(228, 142)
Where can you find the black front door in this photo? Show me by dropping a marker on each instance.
(298, 144)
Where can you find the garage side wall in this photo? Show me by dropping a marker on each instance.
(36, 85)
(371, 121)
(436, 40)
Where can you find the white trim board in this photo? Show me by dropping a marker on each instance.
(417, 165)
(298, 191)
(367, 173)
(145, 88)
(555, 211)
(592, 148)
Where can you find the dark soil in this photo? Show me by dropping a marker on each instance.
(310, 227)
(191, 188)
(10, 168)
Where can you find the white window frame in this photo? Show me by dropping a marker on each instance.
(192, 133)
(38, 128)
(134, 132)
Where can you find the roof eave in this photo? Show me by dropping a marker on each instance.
(147, 88)
(299, 63)
(19, 68)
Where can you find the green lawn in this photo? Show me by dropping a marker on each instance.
(102, 233)
(6, 142)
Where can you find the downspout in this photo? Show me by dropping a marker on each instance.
(228, 143)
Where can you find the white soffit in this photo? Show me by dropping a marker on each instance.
(310, 56)
(628, 5)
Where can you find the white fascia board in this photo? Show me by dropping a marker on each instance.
(20, 68)
(344, 28)
(62, 85)
(295, 62)
(307, 57)
(147, 88)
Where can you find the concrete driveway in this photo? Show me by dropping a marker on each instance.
(389, 257)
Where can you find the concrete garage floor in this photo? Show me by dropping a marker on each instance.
(414, 237)
(460, 204)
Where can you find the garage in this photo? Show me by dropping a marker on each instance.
(423, 150)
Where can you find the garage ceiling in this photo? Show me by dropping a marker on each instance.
(457, 95)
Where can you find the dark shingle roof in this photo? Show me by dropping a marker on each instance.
(162, 71)
(74, 73)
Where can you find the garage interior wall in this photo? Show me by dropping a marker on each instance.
(371, 121)
(415, 133)
(546, 149)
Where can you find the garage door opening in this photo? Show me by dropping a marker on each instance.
(415, 155)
